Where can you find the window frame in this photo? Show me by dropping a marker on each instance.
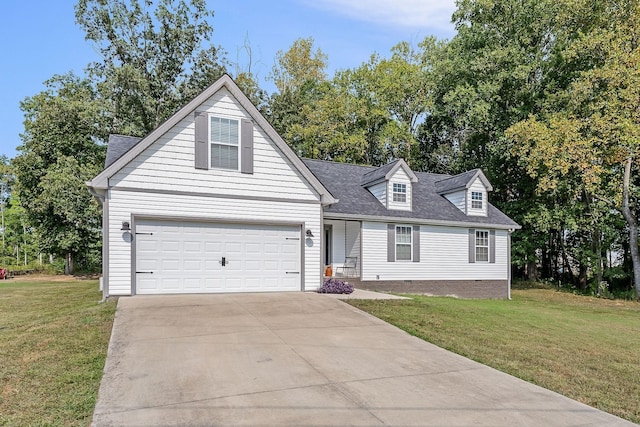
(400, 191)
(211, 142)
(410, 244)
(475, 201)
(483, 239)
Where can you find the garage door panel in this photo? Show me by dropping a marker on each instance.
(193, 246)
(170, 284)
(170, 246)
(186, 257)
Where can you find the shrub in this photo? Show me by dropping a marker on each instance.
(335, 286)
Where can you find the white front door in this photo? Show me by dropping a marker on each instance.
(206, 257)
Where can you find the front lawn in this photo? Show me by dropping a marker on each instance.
(585, 348)
(53, 344)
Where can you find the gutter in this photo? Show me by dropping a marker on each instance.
(424, 221)
(94, 193)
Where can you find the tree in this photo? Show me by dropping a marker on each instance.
(299, 65)
(592, 130)
(6, 184)
(65, 127)
(68, 213)
(298, 74)
(153, 57)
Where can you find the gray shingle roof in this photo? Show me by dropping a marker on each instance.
(117, 146)
(455, 182)
(344, 182)
(377, 174)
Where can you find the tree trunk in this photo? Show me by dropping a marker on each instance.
(633, 226)
(597, 236)
(68, 264)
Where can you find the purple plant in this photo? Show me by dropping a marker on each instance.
(335, 286)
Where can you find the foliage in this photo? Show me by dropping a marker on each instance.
(298, 65)
(585, 142)
(335, 286)
(153, 58)
(553, 355)
(61, 150)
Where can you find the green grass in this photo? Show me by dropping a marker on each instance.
(53, 344)
(585, 348)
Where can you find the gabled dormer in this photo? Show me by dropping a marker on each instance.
(467, 191)
(392, 185)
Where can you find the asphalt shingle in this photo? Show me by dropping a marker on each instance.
(344, 182)
(118, 145)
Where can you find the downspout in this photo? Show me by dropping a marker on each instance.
(509, 264)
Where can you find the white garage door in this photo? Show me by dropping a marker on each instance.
(193, 257)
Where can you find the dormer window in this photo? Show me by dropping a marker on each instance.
(399, 192)
(476, 200)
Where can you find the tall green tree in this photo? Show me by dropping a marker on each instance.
(493, 73)
(63, 132)
(591, 130)
(155, 57)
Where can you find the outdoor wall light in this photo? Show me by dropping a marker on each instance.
(309, 233)
(125, 226)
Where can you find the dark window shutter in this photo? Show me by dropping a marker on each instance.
(391, 242)
(472, 245)
(492, 246)
(246, 145)
(201, 141)
(416, 243)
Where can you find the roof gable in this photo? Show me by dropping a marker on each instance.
(386, 172)
(121, 157)
(462, 182)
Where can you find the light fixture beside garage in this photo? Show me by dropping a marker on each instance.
(309, 234)
(125, 226)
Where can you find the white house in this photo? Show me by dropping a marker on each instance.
(214, 200)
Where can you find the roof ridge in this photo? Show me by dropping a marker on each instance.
(460, 174)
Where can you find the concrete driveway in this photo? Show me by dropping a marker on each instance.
(297, 359)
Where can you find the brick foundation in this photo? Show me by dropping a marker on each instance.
(494, 289)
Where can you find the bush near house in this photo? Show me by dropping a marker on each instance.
(335, 286)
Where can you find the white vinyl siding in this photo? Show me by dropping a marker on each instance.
(477, 187)
(399, 177)
(380, 192)
(168, 164)
(443, 256)
(458, 199)
(206, 208)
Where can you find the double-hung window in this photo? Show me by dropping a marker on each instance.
(224, 140)
(482, 246)
(476, 200)
(399, 192)
(403, 242)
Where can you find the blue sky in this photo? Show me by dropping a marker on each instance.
(40, 39)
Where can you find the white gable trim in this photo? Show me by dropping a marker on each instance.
(485, 181)
(101, 181)
(401, 164)
(479, 174)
